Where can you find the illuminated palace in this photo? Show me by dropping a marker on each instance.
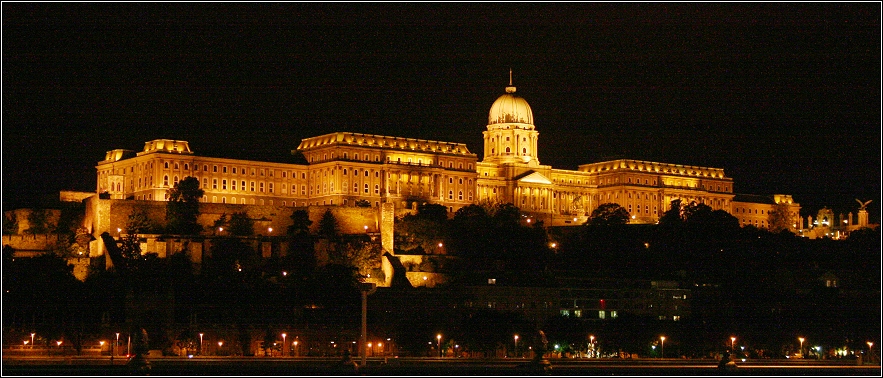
(346, 168)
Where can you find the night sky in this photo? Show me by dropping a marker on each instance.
(785, 97)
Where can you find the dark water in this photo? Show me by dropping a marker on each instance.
(476, 368)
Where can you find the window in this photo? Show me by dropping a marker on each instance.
(224, 185)
(214, 169)
(205, 167)
(166, 165)
(224, 169)
(165, 180)
(355, 187)
(243, 185)
(204, 182)
(234, 170)
(303, 190)
(186, 166)
(344, 171)
(262, 172)
(214, 184)
(366, 173)
(271, 187)
(366, 188)
(376, 189)
(460, 195)
(601, 314)
(451, 194)
(195, 167)
(233, 185)
(252, 186)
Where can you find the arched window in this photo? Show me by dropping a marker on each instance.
(508, 150)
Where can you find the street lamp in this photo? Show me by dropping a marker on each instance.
(516, 344)
(200, 343)
(32, 339)
(439, 344)
(220, 344)
(662, 353)
(115, 346)
(733, 343)
(283, 343)
(592, 342)
(801, 346)
(295, 348)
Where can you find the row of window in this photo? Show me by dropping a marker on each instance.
(235, 170)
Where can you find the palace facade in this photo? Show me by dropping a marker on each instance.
(346, 169)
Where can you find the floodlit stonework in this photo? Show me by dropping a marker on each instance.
(346, 168)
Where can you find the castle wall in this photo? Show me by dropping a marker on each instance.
(108, 215)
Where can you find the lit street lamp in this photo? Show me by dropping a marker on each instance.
(733, 343)
(200, 343)
(295, 348)
(115, 347)
(439, 344)
(516, 344)
(801, 346)
(32, 339)
(283, 343)
(592, 344)
(662, 353)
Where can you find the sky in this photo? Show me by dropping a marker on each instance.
(785, 97)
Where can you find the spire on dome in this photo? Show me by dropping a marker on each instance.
(510, 88)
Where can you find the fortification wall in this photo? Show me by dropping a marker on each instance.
(110, 215)
(21, 216)
(42, 242)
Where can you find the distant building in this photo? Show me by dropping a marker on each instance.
(342, 168)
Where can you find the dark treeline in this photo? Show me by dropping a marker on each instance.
(766, 287)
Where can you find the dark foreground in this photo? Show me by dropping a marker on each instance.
(430, 366)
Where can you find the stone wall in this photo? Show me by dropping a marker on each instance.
(109, 215)
(44, 242)
(21, 216)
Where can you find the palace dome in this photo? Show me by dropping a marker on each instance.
(510, 108)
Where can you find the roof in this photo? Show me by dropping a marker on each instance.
(754, 198)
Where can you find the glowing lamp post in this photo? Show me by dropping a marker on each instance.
(592, 342)
(516, 344)
(662, 352)
(295, 348)
(200, 343)
(438, 337)
(32, 339)
(220, 344)
(801, 346)
(733, 343)
(283, 343)
(115, 346)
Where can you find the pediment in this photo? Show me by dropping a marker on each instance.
(534, 177)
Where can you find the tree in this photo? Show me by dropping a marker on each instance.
(328, 227)
(301, 257)
(38, 221)
(361, 255)
(241, 224)
(608, 214)
(780, 218)
(183, 206)
(423, 230)
(139, 222)
(10, 224)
